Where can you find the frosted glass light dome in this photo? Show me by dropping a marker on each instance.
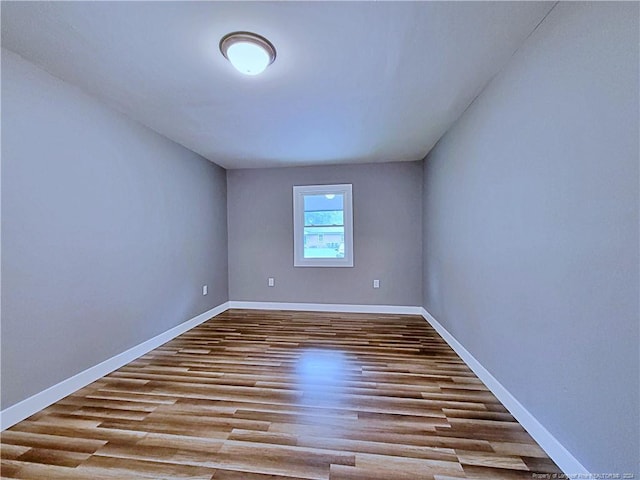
(249, 53)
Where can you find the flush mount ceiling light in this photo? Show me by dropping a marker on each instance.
(248, 52)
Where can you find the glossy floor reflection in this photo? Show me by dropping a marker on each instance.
(321, 376)
(254, 395)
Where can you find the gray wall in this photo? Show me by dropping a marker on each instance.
(109, 232)
(387, 236)
(531, 231)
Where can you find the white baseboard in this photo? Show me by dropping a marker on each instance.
(327, 307)
(556, 451)
(21, 410)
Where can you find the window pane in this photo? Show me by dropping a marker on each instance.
(324, 242)
(324, 226)
(324, 209)
(323, 202)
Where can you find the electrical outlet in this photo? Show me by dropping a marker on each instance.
(205, 290)
(376, 284)
(271, 282)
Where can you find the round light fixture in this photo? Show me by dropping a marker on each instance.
(248, 52)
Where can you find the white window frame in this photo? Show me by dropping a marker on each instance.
(299, 193)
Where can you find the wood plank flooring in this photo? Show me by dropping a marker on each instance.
(256, 395)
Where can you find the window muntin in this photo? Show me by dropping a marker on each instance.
(323, 226)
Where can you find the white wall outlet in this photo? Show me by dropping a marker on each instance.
(205, 290)
(376, 284)
(271, 282)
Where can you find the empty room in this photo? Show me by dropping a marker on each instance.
(320, 240)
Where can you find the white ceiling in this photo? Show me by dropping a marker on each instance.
(352, 82)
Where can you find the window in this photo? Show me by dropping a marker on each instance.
(322, 226)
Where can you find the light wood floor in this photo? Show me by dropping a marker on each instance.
(253, 395)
